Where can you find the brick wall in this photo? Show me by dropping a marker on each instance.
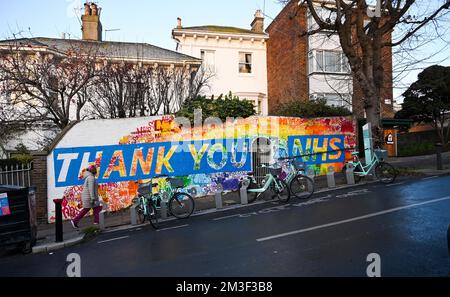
(287, 56)
(39, 180)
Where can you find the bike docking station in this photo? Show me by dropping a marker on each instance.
(243, 191)
(331, 182)
(350, 178)
(218, 197)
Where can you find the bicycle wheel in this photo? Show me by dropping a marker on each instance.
(152, 215)
(181, 205)
(302, 186)
(385, 172)
(283, 194)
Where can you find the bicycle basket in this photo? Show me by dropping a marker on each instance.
(275, 171)
(145, 188)
(299, 165)
(176, 182)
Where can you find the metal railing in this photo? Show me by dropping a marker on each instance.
(16, 175)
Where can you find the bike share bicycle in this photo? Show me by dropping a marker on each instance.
(300, 185)
(272, 181)
(383, 171)
(181, 205)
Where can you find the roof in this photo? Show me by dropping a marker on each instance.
(219, 29)
(112, 49)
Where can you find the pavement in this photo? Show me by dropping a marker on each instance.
(336, 233)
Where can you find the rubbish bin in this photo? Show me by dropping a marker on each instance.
(18, 225)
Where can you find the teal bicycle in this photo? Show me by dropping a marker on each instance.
(146, 208)
(300, 185)
(272, 181)
(181, 205)
(383, 171)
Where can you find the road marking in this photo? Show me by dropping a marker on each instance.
(226, 217)
(170, 228)
(425, 178)
(396, 184)
(113, 239)
(351, 220)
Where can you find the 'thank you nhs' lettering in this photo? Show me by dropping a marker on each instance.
(145, 160)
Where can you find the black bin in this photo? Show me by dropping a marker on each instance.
(19, 227)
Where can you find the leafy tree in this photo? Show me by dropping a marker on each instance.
(220, 107)
(428, 100)
(310, 109)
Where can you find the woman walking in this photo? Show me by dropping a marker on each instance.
(89, 197)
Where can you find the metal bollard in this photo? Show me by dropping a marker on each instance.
(163, 209)
(243, 191)
(330, 177)
(133, 214)
(58, 220)
(349, 174)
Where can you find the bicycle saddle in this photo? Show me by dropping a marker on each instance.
(355, 153)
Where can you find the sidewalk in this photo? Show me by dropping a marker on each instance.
(408, 166)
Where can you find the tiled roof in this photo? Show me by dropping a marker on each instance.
(111, 49)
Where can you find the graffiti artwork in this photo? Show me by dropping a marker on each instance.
(206, 157)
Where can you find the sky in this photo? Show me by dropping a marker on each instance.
(151, 21)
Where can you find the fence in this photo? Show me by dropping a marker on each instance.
(16, 175)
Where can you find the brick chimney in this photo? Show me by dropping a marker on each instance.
(92, 27)
(258, 22)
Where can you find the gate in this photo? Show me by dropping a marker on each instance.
(16, 175)
(261, 154)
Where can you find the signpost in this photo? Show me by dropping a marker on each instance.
(368, 150)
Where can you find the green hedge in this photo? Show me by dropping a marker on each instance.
(416, 149)
(17, 160)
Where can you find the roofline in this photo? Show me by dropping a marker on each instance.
(220, 34)
(42, 47)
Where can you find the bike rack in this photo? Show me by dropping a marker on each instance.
(133, 214)
(163, 209)
(349, 174)
(243, 191)
(331, 182)
(218, 197)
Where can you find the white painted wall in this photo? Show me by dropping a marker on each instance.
(226, 59)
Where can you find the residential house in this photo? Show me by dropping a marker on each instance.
(235, 56)
(120, 52)
(306, 67)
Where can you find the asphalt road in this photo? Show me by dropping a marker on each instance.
(330, 235)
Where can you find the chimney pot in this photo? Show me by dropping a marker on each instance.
(87, 9)
(179, 23)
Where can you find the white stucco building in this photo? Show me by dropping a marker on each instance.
(236, 57)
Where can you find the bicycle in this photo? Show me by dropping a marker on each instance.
(181, 205)
(272, 181)
(384, 171)
(146, 209)
(300, 185)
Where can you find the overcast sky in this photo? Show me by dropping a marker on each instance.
(148, 21)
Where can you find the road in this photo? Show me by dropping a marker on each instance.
(330, 235)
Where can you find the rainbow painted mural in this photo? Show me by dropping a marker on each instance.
(208, 157)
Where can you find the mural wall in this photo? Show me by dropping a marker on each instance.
(209, 156)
